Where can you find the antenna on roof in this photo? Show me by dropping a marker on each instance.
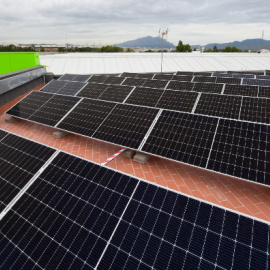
(162, 32)
(262, 39)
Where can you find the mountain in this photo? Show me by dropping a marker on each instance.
(146, 42)
(247, 44)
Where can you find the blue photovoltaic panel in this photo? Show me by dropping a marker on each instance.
(241, 149)
(263, 77)
(256, 82)
(182, 137)
(80, 215)
(224, 75)
(20, 159)
(228, 80)
(255, 110)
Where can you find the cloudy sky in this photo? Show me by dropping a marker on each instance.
(89, 22)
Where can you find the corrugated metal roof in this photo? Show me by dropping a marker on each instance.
(111, 63)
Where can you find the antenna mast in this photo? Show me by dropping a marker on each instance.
(262, 39)
(162, 32)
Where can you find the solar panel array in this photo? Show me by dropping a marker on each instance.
(75, 77)
(79, 215)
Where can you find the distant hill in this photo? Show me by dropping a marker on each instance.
(146, 42)
(247, 44)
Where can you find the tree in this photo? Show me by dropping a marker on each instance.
(215, 48)
(129, 50)
(183, 47)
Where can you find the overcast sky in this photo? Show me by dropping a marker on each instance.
(113, 21)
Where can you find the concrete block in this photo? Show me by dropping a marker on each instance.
(60, 134)
(141, 158)
(12, 119)
(128, 153)
(48, 77)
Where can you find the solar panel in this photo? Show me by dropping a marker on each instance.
(97, 79)
(20, 159)
(219, 105)
(208, 87)
(182, 137)
(184, 73)
(228, 80)
(267, 72)
(83, 216)
(3, 134)
(134, 82)
(92, 90)
(264, 92)
(116, 93)
(241, 90)
(155, 84)
(248, 76)
(114, 80)
(202, 74)
(53, 110)
(53, 86)
(256, 82)
(129, 74)
(241, 149)
(27, 106)
(263, 77)
(177, 100)
(176, 85)
(144, 96)
(165, 77)
(86, 117)
(67, 77)
(247, 72)
(71, 88)
(187, 78)
(255, 110)
(126, 125)
(204, 79)
(225, 75)
(145, 75)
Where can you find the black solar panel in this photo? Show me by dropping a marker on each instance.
(247, 72)
(67, 77)
(202, 74)
(145, 75)
(204, 79)
(97, 79)
(267, 72)
(3, 134)
(165, 77)
(126, 125)
(116, 93)
(145, 96)
(31, 103)
(228, 80)
(66, 217)
(241, 149)
(53, 110)
(134, 82)
(184, 73)
(71, 88)
(114, 80)
(177, 100)
(219, 105)
(256, 110)
(182, 137)
(224, 75)
(86, 117)
(20, 159)
(155, 84)
(53, 86)
(208, 87)
(263, 77)
(177, 85)
(75, 77)
(129, 74)
(80, 215)
(187, 78)
(264, 92)
(256, 82)
(92, 90)
(241, 90)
